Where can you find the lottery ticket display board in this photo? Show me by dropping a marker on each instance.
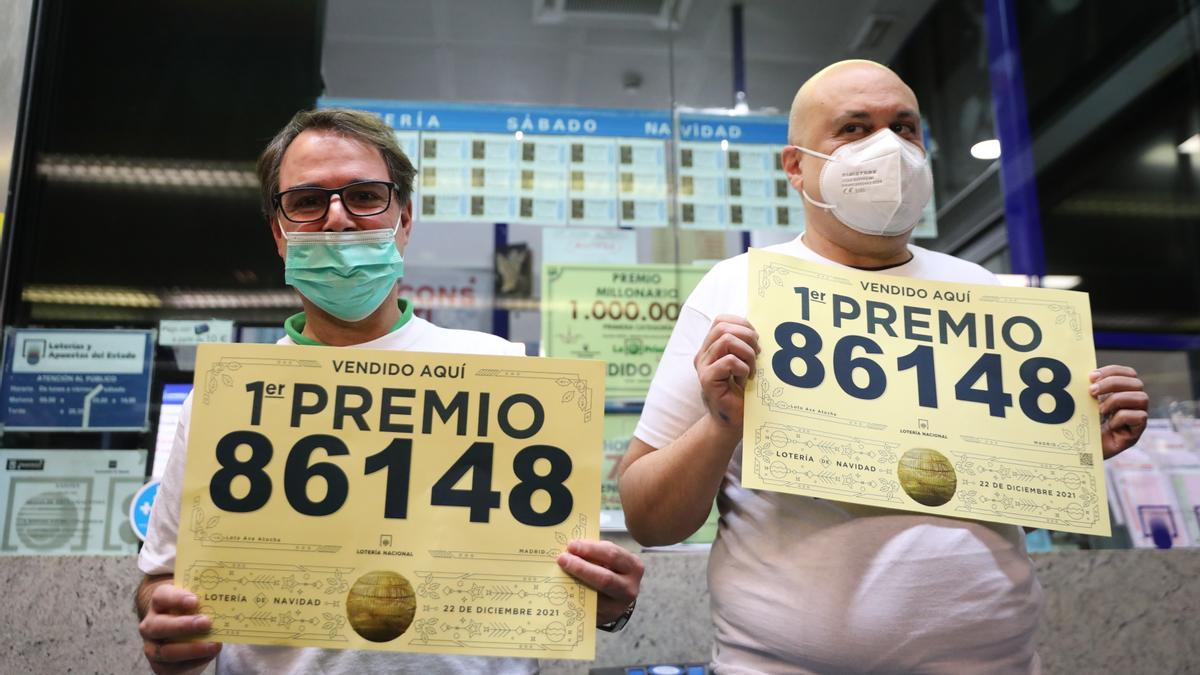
(730, 174)
(532, 166)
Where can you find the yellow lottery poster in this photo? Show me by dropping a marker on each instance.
(365, 499)
(958, 400)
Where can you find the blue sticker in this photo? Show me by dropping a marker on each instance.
(139, 510)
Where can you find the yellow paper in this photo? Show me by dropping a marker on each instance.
(952, 399)
(303, 526)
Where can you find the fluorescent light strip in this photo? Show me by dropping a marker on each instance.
(151, 173)
(1063, 282)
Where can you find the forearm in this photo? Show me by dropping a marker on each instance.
(667, 493)
(141, 598)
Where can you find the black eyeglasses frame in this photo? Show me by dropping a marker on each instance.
(277, 199)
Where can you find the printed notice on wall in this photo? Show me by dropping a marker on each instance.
(76, 380)
(69, 502)
(177, 332)
(618, 431)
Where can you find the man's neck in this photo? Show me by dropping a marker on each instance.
(859, 250)
(329, 330)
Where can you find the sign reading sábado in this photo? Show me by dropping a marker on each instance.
(952, 399)
(363, 499)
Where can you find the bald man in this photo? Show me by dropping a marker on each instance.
(804, 585)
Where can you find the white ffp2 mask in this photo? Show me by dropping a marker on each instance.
(877, 185)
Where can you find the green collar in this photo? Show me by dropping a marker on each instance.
(294, 324)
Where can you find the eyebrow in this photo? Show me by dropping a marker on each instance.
(318, 185)
(905, 114)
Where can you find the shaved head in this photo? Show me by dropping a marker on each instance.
(837, 85)
(846, 102)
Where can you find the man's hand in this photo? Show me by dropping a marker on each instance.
(724, 362)
(171, 618)
(614, 573)
(1123, 406)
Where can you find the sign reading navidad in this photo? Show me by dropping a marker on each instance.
(952, 399)
(365, 499)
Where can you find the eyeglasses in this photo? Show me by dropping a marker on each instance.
(309, 204)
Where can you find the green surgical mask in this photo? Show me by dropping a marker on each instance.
(347, 274)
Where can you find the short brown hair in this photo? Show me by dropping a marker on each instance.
(363, 126)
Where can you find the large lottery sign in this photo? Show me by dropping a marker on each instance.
(953, 399)
(363, 499)
(620, 313)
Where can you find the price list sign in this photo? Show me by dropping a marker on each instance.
(364, 499)
(952, 399)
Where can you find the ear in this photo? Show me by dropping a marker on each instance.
(280, 242)
(405, 230)
(791, 156)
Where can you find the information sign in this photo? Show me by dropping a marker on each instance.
(76, 380)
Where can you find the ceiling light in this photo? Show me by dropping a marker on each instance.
(989, 149)
(1013, 279)
(103, 296)
(1062, 282)
(1161, 156)
(1191, 146)
(180, 174)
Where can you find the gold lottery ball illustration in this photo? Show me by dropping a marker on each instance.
(381, 605)
(927, 476)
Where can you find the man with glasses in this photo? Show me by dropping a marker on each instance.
(336, 190)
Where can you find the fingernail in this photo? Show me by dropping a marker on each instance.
(190, 600)
(1095, 374)
(1094, 388)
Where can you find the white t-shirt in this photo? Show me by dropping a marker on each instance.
(805, 585)
(158, 554)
